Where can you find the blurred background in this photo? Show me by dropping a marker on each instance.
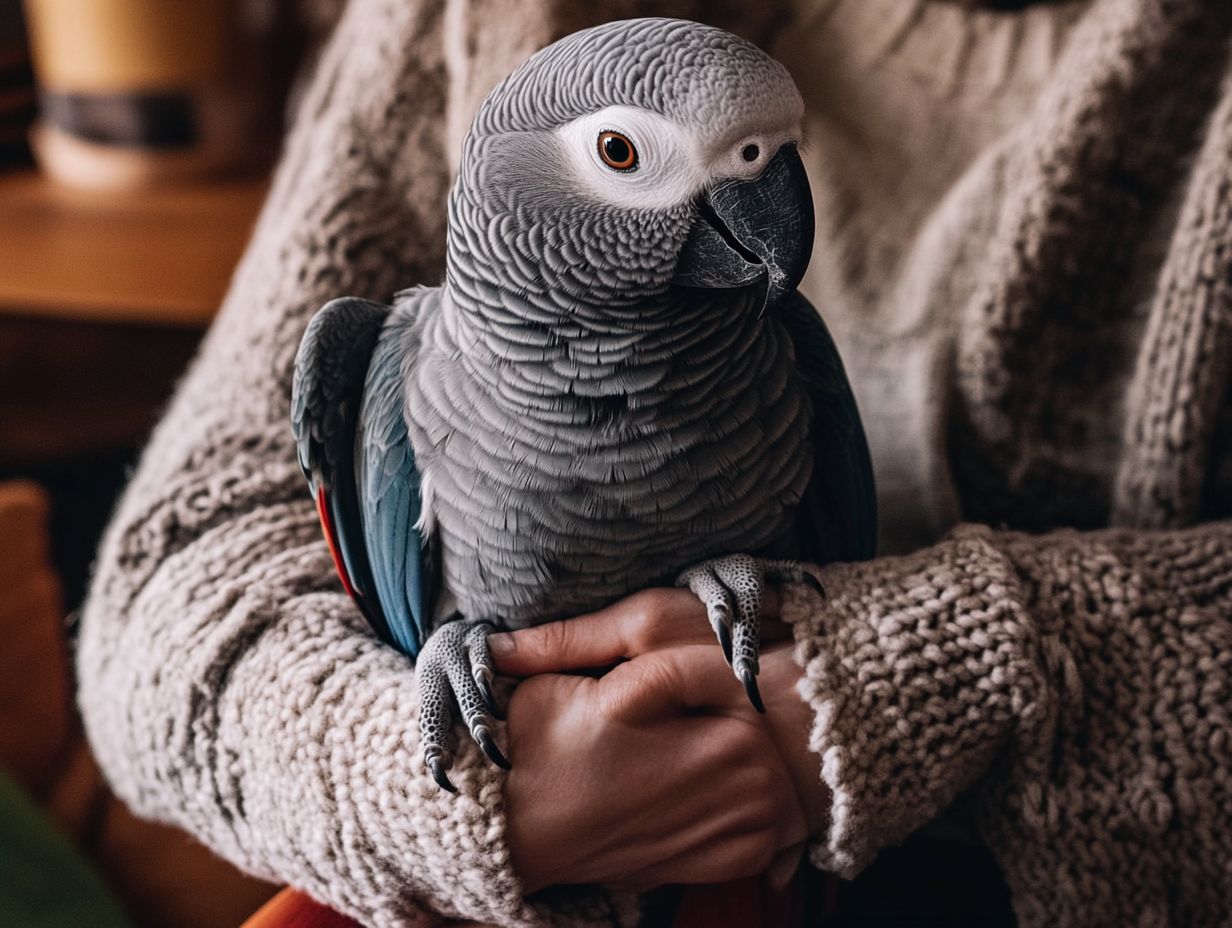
(136, 138)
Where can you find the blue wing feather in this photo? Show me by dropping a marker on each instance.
(838, 518)
(390, 492)
(326, 395)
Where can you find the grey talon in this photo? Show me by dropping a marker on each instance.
(725, 641)
(489, 697)
(489, 747)
(749, 678)
(812, 581)
(437, 767)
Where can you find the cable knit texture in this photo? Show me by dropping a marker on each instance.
(1023, 250)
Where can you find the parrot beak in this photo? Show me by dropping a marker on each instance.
(750, 230)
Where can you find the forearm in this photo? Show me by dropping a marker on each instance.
(917, 671)
(1120, 802)
(239, 696)
(789, 720)
(241, 699)
(226, 683)
(1030, 669)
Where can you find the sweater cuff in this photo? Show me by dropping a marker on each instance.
(918, 670)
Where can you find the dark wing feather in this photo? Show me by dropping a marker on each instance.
(403, 561)
(325, 400)
(351, 438)
(838, 517)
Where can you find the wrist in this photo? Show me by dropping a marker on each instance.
(790, 720)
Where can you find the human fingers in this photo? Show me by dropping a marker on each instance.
(624, 629)
(732, 858)
(749, 836)
(690, 678)
(565, 824)
(636, 625)
(784, 866)
(668, 682)
(694, 785)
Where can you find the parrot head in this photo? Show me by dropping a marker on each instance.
(632, 158)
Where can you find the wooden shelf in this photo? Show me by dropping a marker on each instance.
(160, 257)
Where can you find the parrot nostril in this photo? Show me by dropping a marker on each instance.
(750, 153)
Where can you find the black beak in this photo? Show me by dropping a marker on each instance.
(750, 230)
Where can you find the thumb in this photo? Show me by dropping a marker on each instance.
(573, 644)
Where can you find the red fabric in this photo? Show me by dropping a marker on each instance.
(751, 903)
(292, 909)
(746, 903)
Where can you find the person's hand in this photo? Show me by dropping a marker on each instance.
(659, 771)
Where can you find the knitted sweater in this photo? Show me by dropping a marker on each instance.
(1025, 251)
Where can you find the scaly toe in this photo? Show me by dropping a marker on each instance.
(489, 697)
(470, 671)
(732, 588)
(706, 586)
(481, 665)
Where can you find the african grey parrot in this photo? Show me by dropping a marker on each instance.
(617, 385)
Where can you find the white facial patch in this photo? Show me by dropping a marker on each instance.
(673, 162)
(668, 170)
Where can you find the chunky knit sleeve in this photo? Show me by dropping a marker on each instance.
(1080, 684)
(226, 683)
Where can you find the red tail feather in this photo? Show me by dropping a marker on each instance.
(331, 539)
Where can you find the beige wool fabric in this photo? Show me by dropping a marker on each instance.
(1025, 252)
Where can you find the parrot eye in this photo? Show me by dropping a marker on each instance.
(617, 151)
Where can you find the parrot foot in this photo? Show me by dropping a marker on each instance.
(731, 589)
(455, 669)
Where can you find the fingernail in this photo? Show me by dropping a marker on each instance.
(501, 644)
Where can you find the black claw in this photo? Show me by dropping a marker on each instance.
(493, 752)
(725, 641)
(749, 679)
(437, 766)
(812, 581)
(485, 690)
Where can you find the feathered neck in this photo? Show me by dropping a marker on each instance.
(542, 320)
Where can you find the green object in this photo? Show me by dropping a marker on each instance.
(44, 881)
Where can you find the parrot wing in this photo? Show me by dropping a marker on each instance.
(339, 453)
(325, 401)
(403, 559)
(838, 517)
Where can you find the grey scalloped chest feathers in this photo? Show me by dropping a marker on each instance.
(607, 461)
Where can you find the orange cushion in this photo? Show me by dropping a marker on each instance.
(292, 909)
(35, 699)
(162, 875)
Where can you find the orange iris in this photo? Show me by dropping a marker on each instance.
(617, 151)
